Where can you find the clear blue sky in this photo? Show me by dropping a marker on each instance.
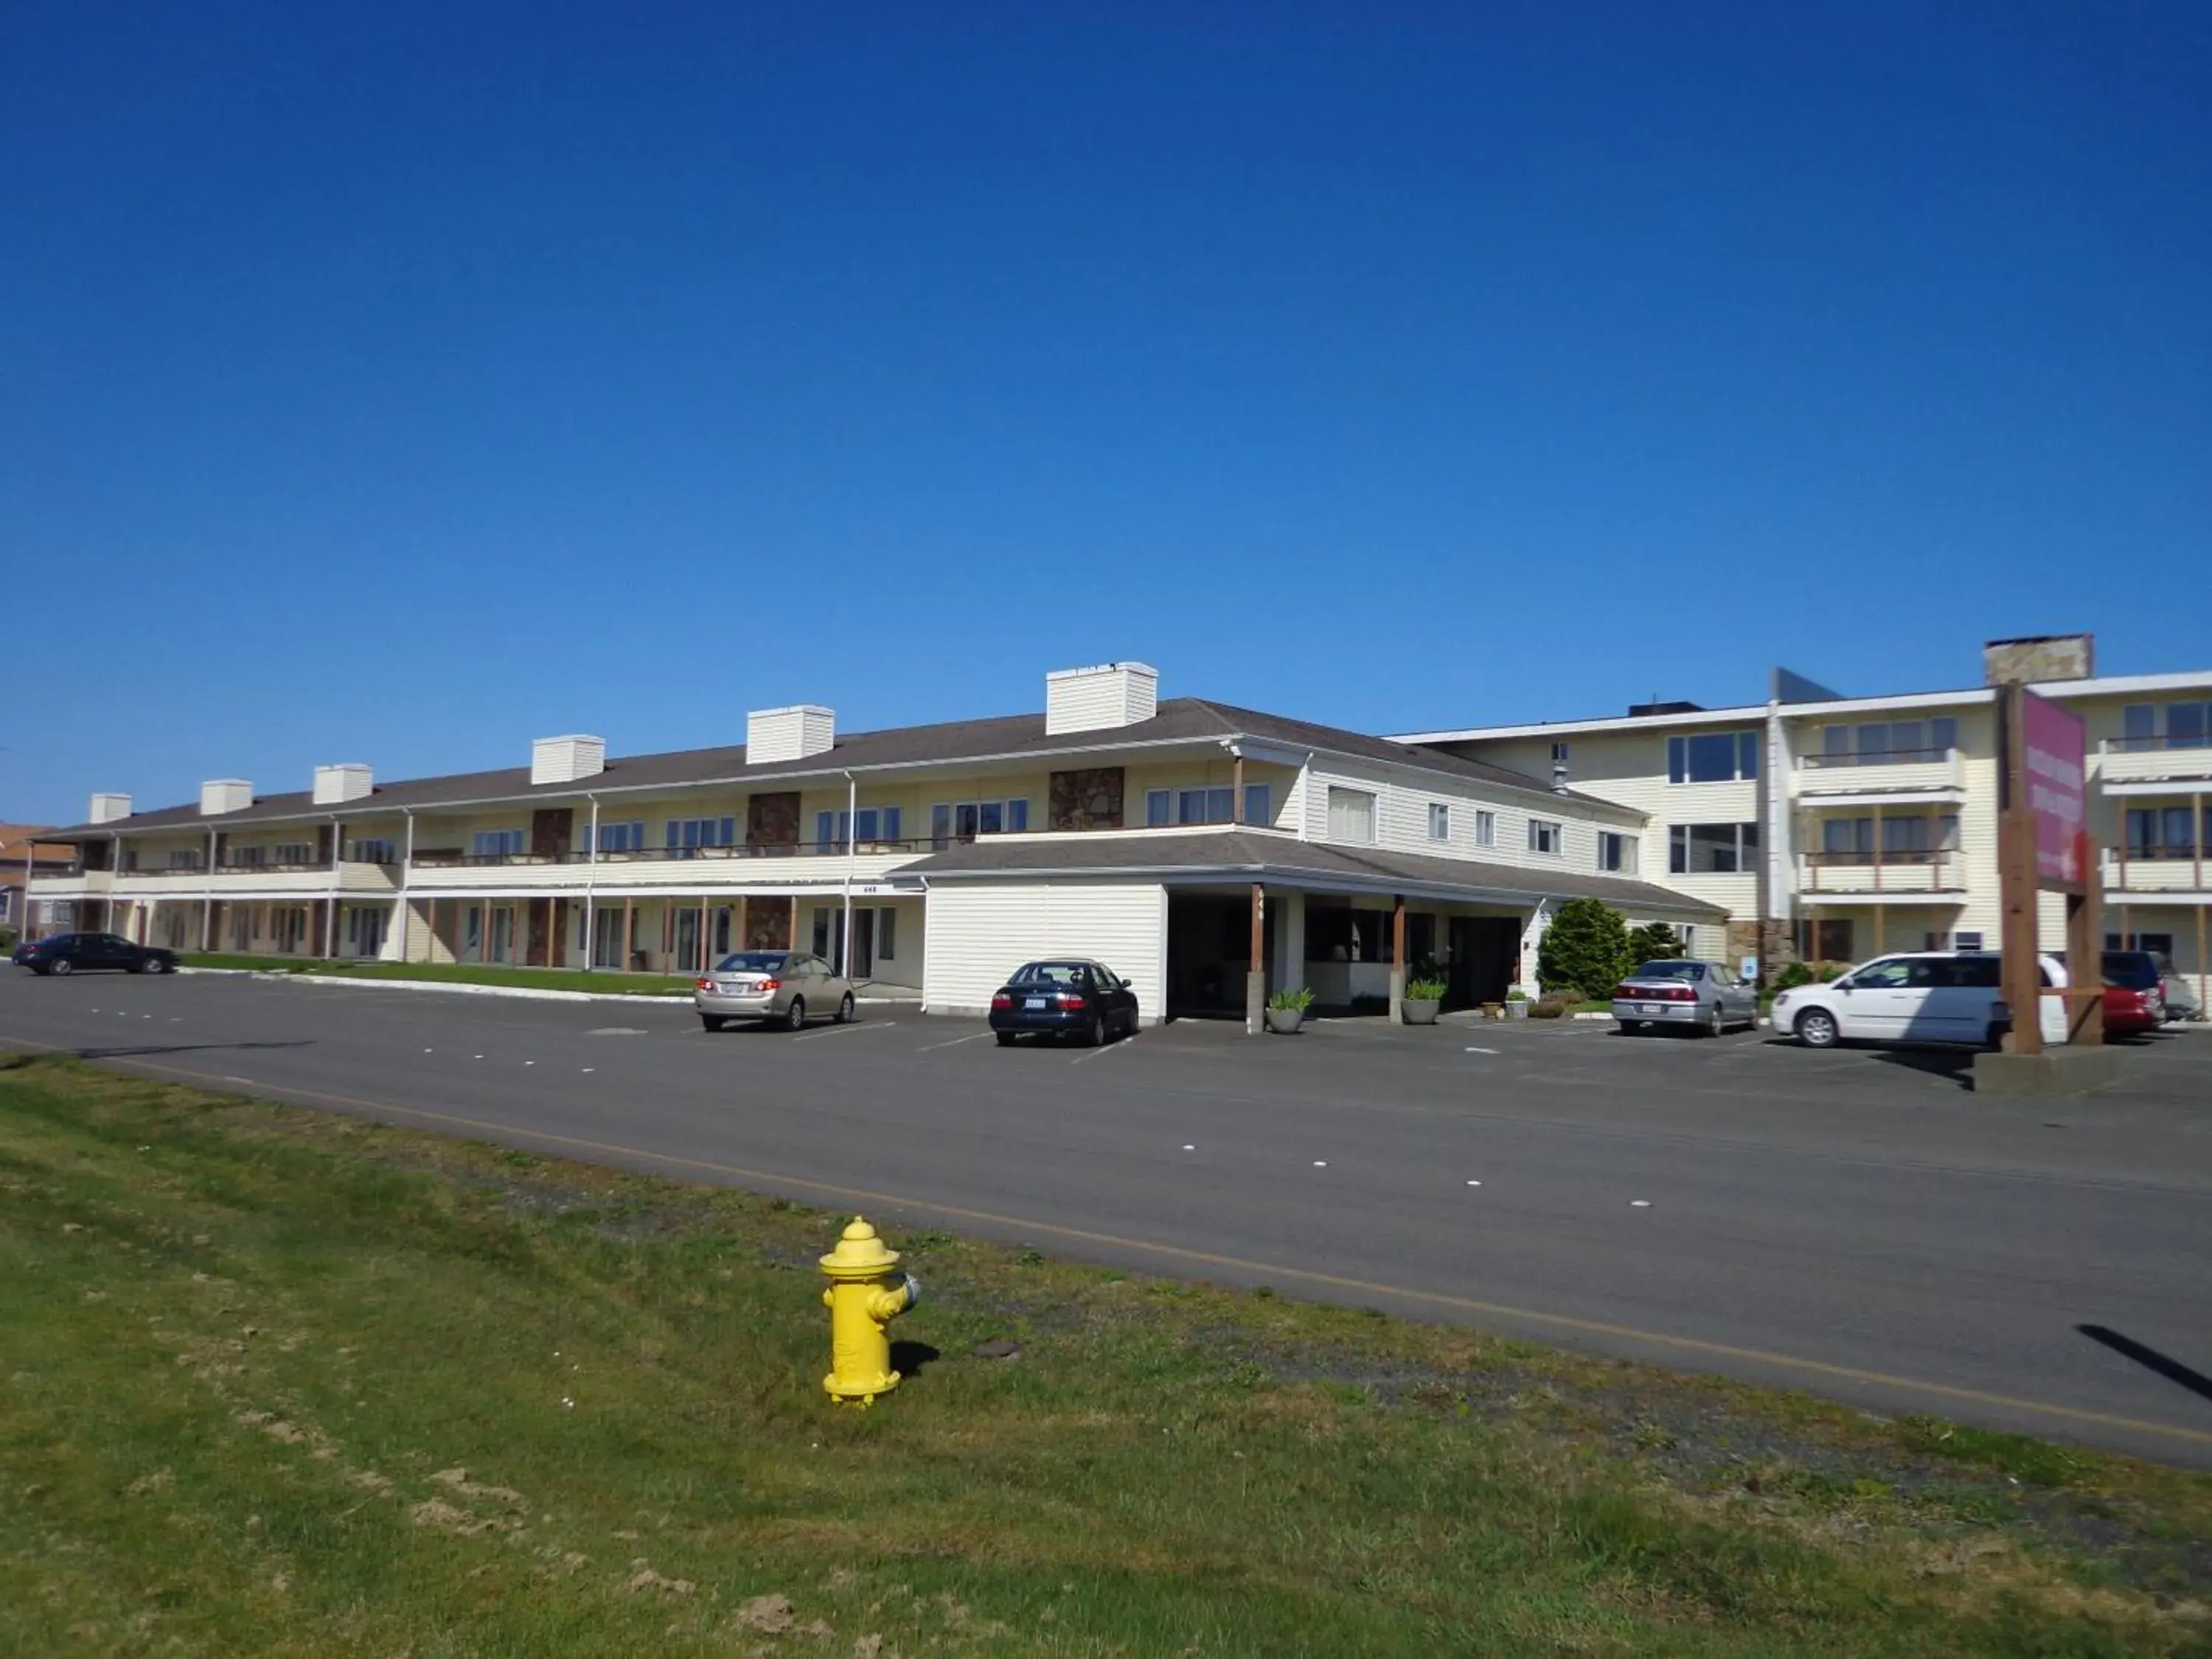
(396, 382)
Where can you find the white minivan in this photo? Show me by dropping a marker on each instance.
(1924, 997)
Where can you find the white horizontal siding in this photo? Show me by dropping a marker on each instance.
(1402, 800)
(978, 932)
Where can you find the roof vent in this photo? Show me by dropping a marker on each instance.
(106, 809)
(567, 760)
(1100, 698)
(220, 795)
(1558, 777)
(335, 785)
(774, 736)
(1639, 711)
(2040, 657)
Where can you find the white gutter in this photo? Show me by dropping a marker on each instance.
(591, 877)
(852, 852)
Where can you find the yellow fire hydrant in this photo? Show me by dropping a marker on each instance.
(866, 1294)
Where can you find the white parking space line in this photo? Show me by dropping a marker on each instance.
(1482, 1051)
(1129, 1041)
(844, 1031)
(953, 1042)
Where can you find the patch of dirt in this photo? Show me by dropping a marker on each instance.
(643, 1577)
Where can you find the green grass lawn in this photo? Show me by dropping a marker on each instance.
(283, 1383)
(455, 973)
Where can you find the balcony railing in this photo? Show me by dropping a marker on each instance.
(2157, 869)
(1916, 870)
(2186, 761)
(1885, 757)
(663, 855)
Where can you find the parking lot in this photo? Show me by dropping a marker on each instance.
(1855, 1222)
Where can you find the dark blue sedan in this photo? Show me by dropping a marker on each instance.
(1086, 1001)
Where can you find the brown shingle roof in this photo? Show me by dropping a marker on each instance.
(1014, 737)
(1255, 855)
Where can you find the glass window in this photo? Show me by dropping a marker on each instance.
(2184, 725)
(969, 819)
(1616, 852)
(1560, 753)
(1891, 974)
(1205, 805)
(1543, 835)
(1904, 834)
(1018, 815)
(1967, 941)
(2138, 726)
(1711, 849)
(1351, 815)
(690, 834)
(1712, 757)
(1159, 806)
(1841, 837)
(1258, 804)
(487, 843)
(1439, 821)
(886, 934)
(1486, 828)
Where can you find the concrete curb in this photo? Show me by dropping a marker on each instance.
(527, 993)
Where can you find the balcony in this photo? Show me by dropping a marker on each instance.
(1876, 876)
(2157, 870)
(779, 867)
(1906, 776)
(273, 879)
(2154, 765)
(69, 882)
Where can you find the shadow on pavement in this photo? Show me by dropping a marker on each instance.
(2150, 1359)
(144, 1050)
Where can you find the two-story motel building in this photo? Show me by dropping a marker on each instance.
(1186, 843)
(1832, 828)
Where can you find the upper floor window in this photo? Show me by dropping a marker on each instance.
(2166, 832)
(1212, 805)
(967, 819)
(1486, 828)
(1616, 852)
(1886, 743)
(690, 834)
(372, 850)
(248, 858)
(1712, 757)
(501, 843)
(628, 837)
(1543, 836)
(184, 860)
(1559, 753)
(1258, 804)
(1439, 821)
(871, 824)
(1711, 849)
(296, 852)
(1351, 815)
(2173, 725)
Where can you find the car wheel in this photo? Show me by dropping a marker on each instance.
(712, 1022)
(62, 965)
(165, 966)
(141, 965)
(1718, 1023)
(794, 1017)
(1816, 1029)
(1006, 1038)
(1094, 1036)
(845, 1009)
(1631, 1027)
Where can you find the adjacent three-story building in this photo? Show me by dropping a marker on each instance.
(1832, 828)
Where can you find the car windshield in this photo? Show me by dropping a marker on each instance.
(1051, 973)
(752, 962)
(2133, 968)
(1685, 971)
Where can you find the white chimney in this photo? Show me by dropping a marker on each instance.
(775, 735)
(1094, 699)
(106, 809)
(219, 795)
(335, 785)
(567, 760)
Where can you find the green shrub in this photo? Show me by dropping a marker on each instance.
(1426, 990)
(1514, 994)
(1791, 978)
(1655, 941)
(1301, 998)
(1585, 950)
(1549, 1007)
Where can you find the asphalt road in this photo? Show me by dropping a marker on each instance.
(1854, 1223)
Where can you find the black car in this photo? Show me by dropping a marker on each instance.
(69, 953)
(1084, 999)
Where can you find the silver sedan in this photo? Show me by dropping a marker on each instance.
(782, 987)
(1691, 994)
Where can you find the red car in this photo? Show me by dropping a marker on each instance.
(2128, 1009)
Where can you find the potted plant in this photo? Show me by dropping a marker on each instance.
(1516, 1004)
(1422, 1000)
(1287, 1010)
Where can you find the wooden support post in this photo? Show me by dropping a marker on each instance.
(1877, 848)
(1236, 791)
(2196, 840)
(2017, 886)
(1398, 959)
(2085, 1014)
(1255, 971)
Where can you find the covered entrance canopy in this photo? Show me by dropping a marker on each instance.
(1238, 912)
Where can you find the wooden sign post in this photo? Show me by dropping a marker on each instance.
(2043, 846)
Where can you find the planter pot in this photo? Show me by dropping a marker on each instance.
(1285, 1022)
(1516, 1010)
(1419, 1014)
